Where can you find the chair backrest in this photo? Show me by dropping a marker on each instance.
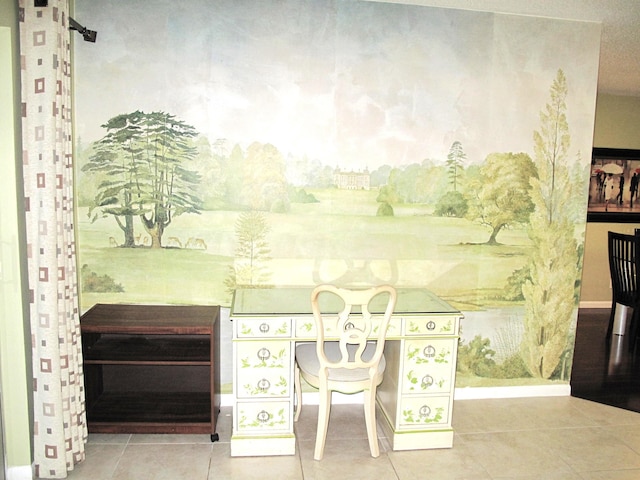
(623, 266)
(352, 325)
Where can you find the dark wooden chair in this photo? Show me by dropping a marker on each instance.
(623, 265)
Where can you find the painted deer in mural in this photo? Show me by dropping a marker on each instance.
(174, 242)
(196, 243)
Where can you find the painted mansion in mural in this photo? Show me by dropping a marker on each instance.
(352, 180)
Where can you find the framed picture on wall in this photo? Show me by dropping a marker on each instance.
(613, 186)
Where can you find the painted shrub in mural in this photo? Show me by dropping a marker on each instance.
(357, 143)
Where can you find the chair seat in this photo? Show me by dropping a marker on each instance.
(309, 364)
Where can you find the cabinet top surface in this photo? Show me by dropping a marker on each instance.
(297, 301)
(126, 318)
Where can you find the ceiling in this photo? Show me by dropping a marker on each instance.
(620, 43)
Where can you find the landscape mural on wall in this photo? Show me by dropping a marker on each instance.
(271, 143)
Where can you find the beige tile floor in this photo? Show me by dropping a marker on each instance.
(559, 438)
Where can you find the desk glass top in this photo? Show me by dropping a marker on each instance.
(297, 301)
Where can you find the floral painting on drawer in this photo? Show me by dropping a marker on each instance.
(266, 143)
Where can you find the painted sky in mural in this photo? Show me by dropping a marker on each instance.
(353, 84)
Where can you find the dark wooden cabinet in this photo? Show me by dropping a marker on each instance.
(151, 368)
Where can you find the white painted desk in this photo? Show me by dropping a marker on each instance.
(415, 399)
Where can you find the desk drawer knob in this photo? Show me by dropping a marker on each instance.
(263, 416)
(429, 351)
(427, 381)
(264, 328)
(431, 325)
(264, 354)
(263, 385)
(425, 411)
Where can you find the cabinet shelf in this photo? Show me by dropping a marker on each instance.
(151, 407)
(149, 349)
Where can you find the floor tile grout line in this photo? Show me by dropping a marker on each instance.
(122, 452)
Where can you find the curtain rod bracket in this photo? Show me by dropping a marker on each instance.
(88, 35)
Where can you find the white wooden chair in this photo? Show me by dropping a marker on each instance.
(347, 361)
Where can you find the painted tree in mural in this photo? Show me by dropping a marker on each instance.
(211, 166)
(549, 294)
(453, 203)
(142, 158)
(233, 176)
(455, 163)
(116, 157)
(264, 182)
(413, 183)
(252, 251)
(499, 196)
(171, 186)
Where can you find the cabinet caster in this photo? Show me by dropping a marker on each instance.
(215, 437)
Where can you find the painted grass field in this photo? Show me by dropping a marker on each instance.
(338, 239)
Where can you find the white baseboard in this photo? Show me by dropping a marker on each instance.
(596, 304)
(22, 472)
(477, 393)
(467, 393)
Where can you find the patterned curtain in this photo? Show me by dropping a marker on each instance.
(60, 429)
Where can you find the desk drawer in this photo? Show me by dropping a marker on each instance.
(431, 325)
(254, 383)
(261, 327)
(263, 417)
(421, 411)
(306, 328)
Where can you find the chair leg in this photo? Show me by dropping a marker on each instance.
(633, 331)
(324, 408)
(611, 318)
(297, 386)
(370, 420)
